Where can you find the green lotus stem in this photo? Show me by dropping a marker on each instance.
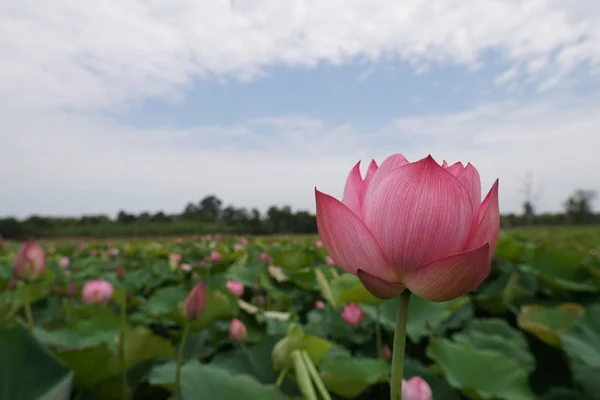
(314, 374)
(28, 316)
(124, 386)
(399, 346)
(281, 376)
(302, 377)
(378, 330)
(186, 331)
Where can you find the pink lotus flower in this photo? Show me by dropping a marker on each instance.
(329, 261)
(96, 291)
(185, 267)
(121, 272)
(319, 244)
(237, 330)
(215, 256)
(353, 314)
(265, 257)
(386, 352)
(195, 303)
(235, 287)
(176, 257)
(30, 261)
(416, 388)
(112, 251)
(415, 225)
(243, 240)
(238, 246)
(319, 304)
(63, 262)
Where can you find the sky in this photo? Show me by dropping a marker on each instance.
(145, 105)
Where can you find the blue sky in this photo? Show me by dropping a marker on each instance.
(146, 106)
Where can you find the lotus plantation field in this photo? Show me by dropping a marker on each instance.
(235, 317)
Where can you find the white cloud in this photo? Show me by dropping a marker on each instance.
(69, 164)
(78, 54)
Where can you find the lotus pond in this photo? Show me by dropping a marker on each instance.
(531, 331)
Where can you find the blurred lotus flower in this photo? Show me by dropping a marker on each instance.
(235, 287)
(256, 285)
(195, 275)
(30, 262)
(195, 303)
(386, 352)
(265, 257)
(243, 240)
(215, 256)
(96, 291)
(329, 261)
(319, 304)
(260, 299)
(416, 388)
(63, 262)
(419, 225)
(185, 267)
(218, 237)
(112, 252)
(238, 246)
(12, 283)
(121, 272)
(319, 244)
(178, 240)
(72, 289)
(237, 330)
(353, 314)
(175, 257)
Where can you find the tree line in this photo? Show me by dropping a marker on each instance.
(210, 215)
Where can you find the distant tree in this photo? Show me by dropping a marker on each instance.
(125, 218)
(531, 196)
(578, 207)
(210, 208)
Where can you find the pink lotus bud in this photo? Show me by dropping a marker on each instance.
(72, 289)
(121, 272)
(417, 225)
(353, 314)
(265, 257)
(237, 330)
(185, 267)
(319, 244)
(386, 352)
(215, 256)
(63, 262)
(319, 304)
(238, 246)
(30, 262)
(12, 283)
(329, 261)
(235, 287)
(175, 257)
(195, 302)
(97, 291)
(416, 388)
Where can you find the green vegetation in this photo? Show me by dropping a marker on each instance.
(530, 331)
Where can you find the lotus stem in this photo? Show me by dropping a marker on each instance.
(186, 331)
(28, 316)
(124, 386)
(314, 374)
(281, 376)
(399, 347)
(302, 377)
(378, 330)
